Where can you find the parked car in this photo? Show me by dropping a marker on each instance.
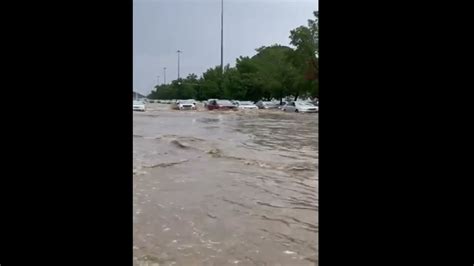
(267, 105)
(245, 105)
(280, 105)
(221, 105)
(208, 101)
(186, 104)
(298, 106)
(139, 106)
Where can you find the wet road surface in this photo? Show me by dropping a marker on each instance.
(225, 188)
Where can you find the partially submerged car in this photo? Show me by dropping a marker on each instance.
(267, 105)
(208, 101)
(300, 106)
(186, 104)
(280, 105)
(245, 105)
(139, 106)
(221, 105)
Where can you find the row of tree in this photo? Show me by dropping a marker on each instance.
(274, 72)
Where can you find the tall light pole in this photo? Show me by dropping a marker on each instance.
(222, 36)
(179, 51)
(164, 75)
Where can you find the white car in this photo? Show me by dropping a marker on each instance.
(298, 106)
(245, 105)
(139, 106)
(267, 105)
(186, 104)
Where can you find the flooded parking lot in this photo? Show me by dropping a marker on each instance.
(225, 188)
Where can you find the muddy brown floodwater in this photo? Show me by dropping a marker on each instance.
(225, 188)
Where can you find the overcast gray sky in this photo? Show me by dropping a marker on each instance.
(160, 27)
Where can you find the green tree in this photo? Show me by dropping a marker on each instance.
(275, 70)
(182, 89)
(305, 57)
(209, 83)
(232, 84)
(163, 92)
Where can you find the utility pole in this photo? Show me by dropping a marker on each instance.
(164, 75)
(179, 51)
(222, 36)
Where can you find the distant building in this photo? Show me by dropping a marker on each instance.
(138, 96)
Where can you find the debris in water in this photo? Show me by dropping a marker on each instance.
(166, 164)
(212, 216)
(289, 252)
(179, 144)
(215, 152)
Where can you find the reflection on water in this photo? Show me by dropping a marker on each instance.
(230, 188)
